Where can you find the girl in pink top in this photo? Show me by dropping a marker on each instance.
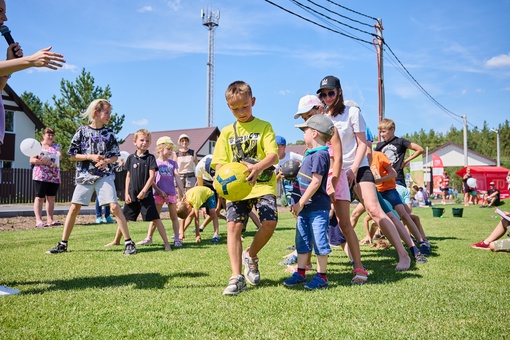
(46, 177)
(164, 187)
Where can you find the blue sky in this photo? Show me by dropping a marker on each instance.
(153, 54)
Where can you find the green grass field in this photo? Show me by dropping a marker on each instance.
(96, 292)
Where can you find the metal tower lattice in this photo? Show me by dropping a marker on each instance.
(210, 19)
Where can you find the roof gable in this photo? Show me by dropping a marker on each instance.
(452, 154)
(199, 138)
(23, 107)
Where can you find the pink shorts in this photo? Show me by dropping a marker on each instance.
(342, 192)
(170, 199)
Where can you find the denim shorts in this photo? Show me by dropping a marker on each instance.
(104, 188)
(392, 196)
(210, 203)
(311, 228)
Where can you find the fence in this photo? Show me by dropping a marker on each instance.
(16, 186)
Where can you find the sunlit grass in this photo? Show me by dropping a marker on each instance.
(96, 292)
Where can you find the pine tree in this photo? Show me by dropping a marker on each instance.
(64, 115)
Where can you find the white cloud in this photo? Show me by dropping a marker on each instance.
(502, 60)
(140, 122)
(173, 4)
(145, 9)
(284, 92)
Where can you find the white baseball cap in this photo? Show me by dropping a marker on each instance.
(307, 103)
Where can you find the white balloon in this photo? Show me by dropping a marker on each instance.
(30, 147)
(471, 182)
(123, 155)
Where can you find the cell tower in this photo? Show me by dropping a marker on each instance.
(210, 19)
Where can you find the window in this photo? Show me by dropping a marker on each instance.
(9, 121)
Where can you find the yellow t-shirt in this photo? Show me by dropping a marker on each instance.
(257, 140)
(197, 196)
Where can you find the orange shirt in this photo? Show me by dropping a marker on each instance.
(379, 164)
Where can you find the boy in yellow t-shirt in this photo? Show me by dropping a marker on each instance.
(252, 142)
(194, 199)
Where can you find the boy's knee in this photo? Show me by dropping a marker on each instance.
(269, 225)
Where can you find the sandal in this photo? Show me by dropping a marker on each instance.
(54, 224)
(360, 277)
(40, 225)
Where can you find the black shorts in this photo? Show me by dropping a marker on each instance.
(147, 207)
(43, 189)
(365, 175)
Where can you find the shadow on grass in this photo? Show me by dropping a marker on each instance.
(141, 281)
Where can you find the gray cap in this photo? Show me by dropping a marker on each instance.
(319, 122)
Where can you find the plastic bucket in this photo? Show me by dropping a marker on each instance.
(437, 212)
(457, 212)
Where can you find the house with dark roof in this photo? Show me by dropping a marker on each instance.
(202, 140)
(20, 123)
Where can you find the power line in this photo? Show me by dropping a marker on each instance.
(297, 3)
(315, 23)
(340, 15)
(419, 85)
(398, 64)
(353, 11)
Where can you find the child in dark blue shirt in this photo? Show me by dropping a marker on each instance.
(311, 203)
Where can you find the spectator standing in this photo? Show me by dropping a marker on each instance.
(46, 178)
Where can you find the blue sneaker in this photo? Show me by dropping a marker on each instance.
(295, 279)
(215, 239)
(99, 220)
(317, 283)
(109, 219)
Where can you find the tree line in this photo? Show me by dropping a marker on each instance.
(63, 113)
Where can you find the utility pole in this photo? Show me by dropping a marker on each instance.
(378, 43)
(497, 145)
(210, 19)
(465, 142)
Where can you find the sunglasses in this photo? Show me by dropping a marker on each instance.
(330, 94)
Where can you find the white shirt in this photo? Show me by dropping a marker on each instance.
(201, 170)
(288, 156)
(348, 124)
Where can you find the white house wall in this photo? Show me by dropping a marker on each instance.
(24, 128)
(452, 155)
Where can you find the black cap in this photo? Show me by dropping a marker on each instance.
(329, 82)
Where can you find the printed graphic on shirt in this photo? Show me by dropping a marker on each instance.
(248, 144)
